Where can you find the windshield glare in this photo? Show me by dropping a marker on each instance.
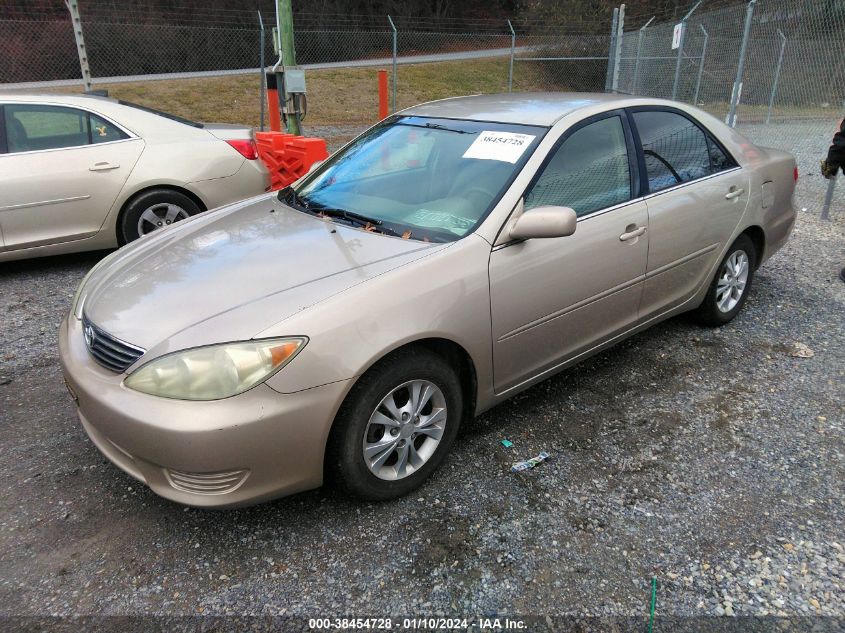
(423, 178)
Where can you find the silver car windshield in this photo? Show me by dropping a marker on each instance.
(419, 178)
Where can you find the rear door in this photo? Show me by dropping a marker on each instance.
(696, 195)
(62, 170)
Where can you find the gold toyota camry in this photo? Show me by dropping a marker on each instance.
(446, 259)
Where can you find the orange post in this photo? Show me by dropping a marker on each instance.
(382, 94)
(273, 103)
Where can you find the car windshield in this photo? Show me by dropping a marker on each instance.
(419, 178)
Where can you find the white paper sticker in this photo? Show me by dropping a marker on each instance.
(503, 146)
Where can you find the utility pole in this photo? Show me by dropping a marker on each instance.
(284, 15)
(73, 7)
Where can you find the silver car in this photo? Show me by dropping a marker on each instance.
(448, 258)
(81, 172)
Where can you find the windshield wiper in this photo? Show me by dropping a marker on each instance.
(354, 218)
(436, 126)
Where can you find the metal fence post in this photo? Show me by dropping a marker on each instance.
(777, 76)
(73, 7)
(513, 50)
(262, 89)
(736, 94)
(620, 34)
(681, 50)
(635, 87)
(611, 57)
(828, 196)
(393, 78)
(700, 64)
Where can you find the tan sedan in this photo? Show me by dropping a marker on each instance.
(83, 172)
(443, 261)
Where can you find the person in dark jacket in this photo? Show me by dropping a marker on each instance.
(834, 162)
(836, 154)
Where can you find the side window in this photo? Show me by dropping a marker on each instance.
(588, 172)
(4, 146)
(102, 131)
(719, 161)
(676, 149)
(38, 127)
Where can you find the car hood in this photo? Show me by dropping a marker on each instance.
(232, 273)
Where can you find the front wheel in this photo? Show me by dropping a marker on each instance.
(396, 426)
(729, 288)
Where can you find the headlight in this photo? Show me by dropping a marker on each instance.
(215, 372)
(76, 304)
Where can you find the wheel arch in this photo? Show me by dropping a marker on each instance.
(148, 188)
(452, 352)
(758, 237)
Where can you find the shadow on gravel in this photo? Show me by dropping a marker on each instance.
(56, 263)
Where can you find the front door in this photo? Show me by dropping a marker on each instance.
(552, 299)
(62, 170)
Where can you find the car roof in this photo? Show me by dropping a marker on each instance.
(69, 98)
(526, 108)
(135, 119)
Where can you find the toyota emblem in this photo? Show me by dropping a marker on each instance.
(89, 334)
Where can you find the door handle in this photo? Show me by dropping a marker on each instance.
(103, 167)
(734, 193)
(629, 235)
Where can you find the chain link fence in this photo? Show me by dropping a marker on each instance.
(205, 64)
(789, 92)
(38, 47)
(561, 62)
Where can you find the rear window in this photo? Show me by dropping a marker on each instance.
(166, 115)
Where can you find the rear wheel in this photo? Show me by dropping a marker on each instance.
(729, 288)
(153, 210)
(396, 426)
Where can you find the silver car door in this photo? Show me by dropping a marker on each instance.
(552, 299)
(62, 172)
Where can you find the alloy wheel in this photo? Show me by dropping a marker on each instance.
(159, 216)
(732, 281)
(404, 430)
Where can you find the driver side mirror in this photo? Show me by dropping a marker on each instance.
(544, 222)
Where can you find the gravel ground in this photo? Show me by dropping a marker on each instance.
(709, 459)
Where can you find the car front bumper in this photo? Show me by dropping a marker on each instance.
(252, 447)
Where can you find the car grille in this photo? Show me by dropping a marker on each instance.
(108, 351)
(206, 483)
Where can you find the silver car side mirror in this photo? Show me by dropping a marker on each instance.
(544, 222)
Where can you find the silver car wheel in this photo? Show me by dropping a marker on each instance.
(159, 216)
(732, 281)
(405, 430)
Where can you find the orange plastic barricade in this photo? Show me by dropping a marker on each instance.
(288, 157)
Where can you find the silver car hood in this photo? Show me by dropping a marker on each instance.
(231, 273)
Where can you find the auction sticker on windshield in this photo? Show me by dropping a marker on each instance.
(503, 146)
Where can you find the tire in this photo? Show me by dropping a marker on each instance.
(360, 424)
(165, 204)
(717, 307)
